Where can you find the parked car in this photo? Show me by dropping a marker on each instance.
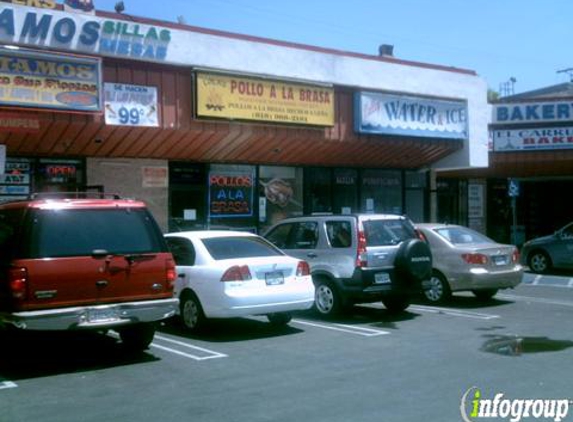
(465, 260)
(84, 264)
(357, 258)
(554, 251)
(225, 274)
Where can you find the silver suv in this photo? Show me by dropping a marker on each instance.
(357, 258)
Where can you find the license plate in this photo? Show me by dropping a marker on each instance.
(102, 315)
(500, 260)
(274, 278)
(381, 278)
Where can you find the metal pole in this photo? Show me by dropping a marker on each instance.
(514, 220)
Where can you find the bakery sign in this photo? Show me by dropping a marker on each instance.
(391, 114)
(54, 81)
(234, 97)
(549, 138)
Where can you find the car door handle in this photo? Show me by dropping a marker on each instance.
(311, 255)
(381, 254)
(181, 275)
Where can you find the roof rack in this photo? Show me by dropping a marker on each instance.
(74, 195)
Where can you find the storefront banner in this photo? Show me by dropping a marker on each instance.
(387, 114)
(19, 122)
(38, 80)
(83, 33)
(131, 105)
(534, 112)
(231, 194)
(533, 139)
(231, 97)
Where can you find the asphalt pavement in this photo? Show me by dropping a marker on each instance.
(423, 365)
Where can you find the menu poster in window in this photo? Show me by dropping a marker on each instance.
(231, 194)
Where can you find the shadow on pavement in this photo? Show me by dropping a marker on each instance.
(29, 354)
(230, 330)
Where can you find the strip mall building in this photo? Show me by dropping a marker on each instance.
(223, 130)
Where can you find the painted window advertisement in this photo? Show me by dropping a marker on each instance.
(280, 193)
(16, 181)
(130, 105)
(231, 194)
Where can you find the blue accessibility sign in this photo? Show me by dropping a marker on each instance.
(513, 188)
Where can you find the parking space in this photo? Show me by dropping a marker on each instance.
(315, 368)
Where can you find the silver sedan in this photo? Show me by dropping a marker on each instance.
(465, 260)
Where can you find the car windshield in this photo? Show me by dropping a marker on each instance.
(59, 233)
(239, 247)
(387, 232)
(462, 235)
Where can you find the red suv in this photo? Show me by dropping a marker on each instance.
(84, 264)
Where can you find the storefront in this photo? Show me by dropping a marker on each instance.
(531, 163)
(225, 140)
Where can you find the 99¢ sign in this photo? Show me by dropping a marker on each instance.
(130, 105)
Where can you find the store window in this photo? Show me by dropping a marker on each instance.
(381, 191)
(415, 191)
(318, 190)
(345, 191)
(187, 196)
(280, 194)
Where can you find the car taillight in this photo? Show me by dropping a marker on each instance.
(475, 258)
(170, 272)
(237, 273)
(515, 256)
(302, 269)
(361, 259)
(421, 236)
(18, 281)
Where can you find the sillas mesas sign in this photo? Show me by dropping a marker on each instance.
(82, 33)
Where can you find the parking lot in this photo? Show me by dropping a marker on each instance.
(365, 366)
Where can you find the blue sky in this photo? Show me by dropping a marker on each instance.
(528, 40)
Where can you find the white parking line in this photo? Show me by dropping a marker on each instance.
(209, 354)
(536, 300)
(351, 329)
(7, 384)
(452, 312)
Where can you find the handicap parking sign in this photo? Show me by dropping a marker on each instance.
(513, 188)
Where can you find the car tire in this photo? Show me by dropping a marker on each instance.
(280, 319)
(191, 312)
(485, 294)
(439, 289)
(539, 262)
(396, 303)
(137, 337)
(327, 300)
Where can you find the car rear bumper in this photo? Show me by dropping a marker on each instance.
(483, 279)
(92, 317)
(241, 301)
(371, 285)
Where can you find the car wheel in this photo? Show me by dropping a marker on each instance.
(539, 262)
(396, 304)
(191, 311)
(137, 337)
(326, 299)
(485, 294)
(280, 319)
(438, 290)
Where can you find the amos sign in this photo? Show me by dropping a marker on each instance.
(46, 28)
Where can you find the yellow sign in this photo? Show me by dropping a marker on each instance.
(42, 4)
(241, 98)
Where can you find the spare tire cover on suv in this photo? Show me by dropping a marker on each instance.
(414, 260)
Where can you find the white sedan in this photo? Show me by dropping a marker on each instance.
(227, 274)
